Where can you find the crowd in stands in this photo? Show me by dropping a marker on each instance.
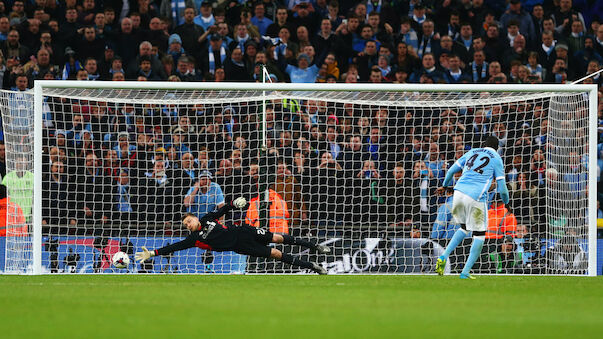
(420, 41)
(142, 162)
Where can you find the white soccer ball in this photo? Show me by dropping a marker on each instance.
(121, 260)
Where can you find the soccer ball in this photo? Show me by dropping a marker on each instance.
(121, 260)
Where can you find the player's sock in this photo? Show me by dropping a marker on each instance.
(289, 240)
(457, 238)
(289, 259)
(476, 249)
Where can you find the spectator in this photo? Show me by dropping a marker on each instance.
(89, 45)
(189, 31)
(156, 196)
(434, 163)
(505, 259)
(175, 10)
(501, 221)
(429, 70)
(259, 20)
(91, 68)
(125, 198)
(145, 49)
(93, 193)
(564, 15)
(516, 15)
(429, 40)
(57, 208)
(12, 219)
(234, 67)
(444, 226)
(13, 49)
(204, 196)
(278, 214)
(402, 202)
(454, 72)
(281, 21)
(404, 60)
(290, 190)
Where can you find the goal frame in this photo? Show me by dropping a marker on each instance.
(40, 85)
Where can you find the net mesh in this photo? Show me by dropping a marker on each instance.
(355, 171)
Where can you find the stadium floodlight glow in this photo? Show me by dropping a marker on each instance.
(332, 154)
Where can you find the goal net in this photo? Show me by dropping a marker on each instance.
(96, 168)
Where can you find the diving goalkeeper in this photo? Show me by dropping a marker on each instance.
(211, 235)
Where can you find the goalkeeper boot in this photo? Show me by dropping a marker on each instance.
(322, 249)
(319, 269)
(466, 276)
(440, 266)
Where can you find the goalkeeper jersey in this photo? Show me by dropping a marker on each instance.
(213, 235)
(480, 166)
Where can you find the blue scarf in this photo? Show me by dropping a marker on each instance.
(212, 58)
(124, 199)
(178, 7)
(483, 73)
(67, 69)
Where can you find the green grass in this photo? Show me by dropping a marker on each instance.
(299, 307)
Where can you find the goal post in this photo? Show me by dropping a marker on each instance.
(375, 221)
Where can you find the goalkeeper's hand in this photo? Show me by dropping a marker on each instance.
(144, 255)
(239, 202)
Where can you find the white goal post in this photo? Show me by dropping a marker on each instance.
(375, 221)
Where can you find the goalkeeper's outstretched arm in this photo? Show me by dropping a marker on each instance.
(189, 242)
(217, 214)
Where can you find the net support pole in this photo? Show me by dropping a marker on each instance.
(263, 207)
(592, 182)
(37, 185)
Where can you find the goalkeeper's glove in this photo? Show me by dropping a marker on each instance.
(144, 255)
(239, 202)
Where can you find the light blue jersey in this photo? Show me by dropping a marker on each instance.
(480, 166)
(206, 202)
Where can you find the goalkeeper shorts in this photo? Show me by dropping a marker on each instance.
(470, 212)
(253, 241)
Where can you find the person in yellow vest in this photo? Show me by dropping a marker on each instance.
(12, 220)
(19, 184)
(279, 213)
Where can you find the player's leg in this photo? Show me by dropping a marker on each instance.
(478, 223)
(289, 240)
(291, 260)
(459, 213)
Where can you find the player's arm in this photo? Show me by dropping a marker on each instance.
(499, 176)
(217, 214)
(455, 168)
(177, 246)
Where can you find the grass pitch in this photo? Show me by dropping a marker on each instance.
(213, 306)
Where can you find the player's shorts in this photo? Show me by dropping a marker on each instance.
(253, 241)
(470, 212)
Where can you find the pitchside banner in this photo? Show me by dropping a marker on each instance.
(369, 255)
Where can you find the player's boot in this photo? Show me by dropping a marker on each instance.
(440, 266)
(466, 276)
(319, 269)
(322, 249)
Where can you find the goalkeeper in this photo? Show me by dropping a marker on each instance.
(211, 235)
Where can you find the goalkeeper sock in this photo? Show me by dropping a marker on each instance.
(289, 240)
(289, 259)
(476, 249)
(457, 238)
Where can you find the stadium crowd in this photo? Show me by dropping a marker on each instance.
(134, 163)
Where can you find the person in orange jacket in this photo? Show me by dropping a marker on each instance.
(501, 221)
(279, 213)
(12, 220)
